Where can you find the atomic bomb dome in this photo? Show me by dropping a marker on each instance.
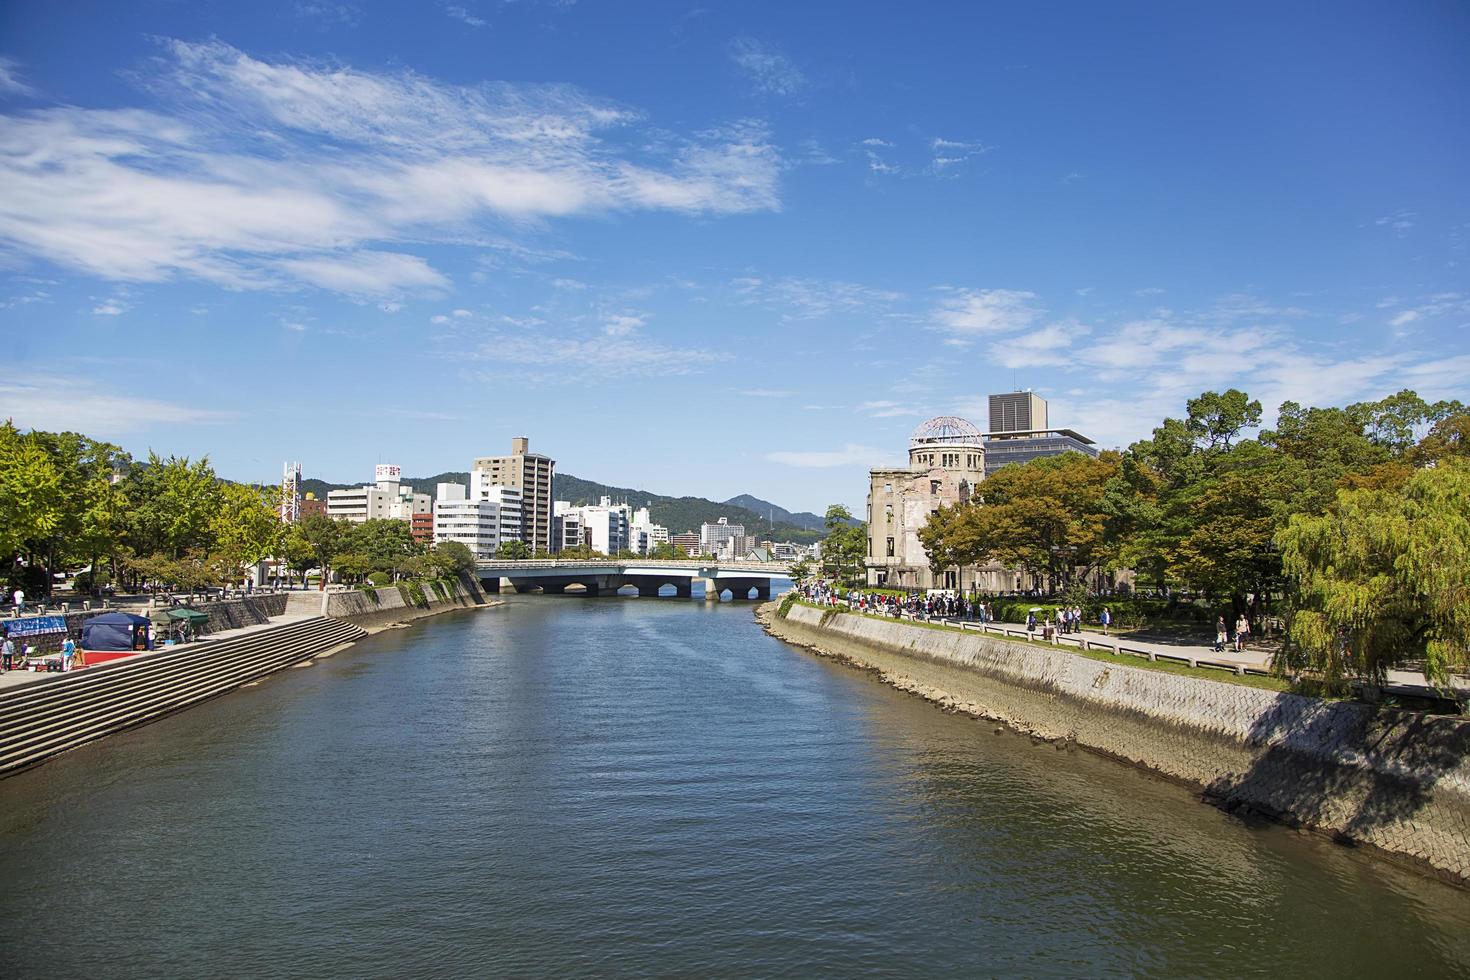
(946, 430)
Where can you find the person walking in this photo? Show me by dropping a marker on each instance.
(1242, 632)
(7, 654)
(1105, 618)
(20, 601)
(1220, 634)
(1030, 625)
(68, 653)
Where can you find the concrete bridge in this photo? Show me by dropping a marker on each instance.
(742, 579)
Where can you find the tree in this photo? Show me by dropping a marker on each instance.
(245, 527)
(458, 558)
(173, 502)
(513, 551)
(663, 551)
(385, 542)
(29, 491)
(296, 552)
(845, 545)
(1048, 516)
(1381, 580)
(324, 539)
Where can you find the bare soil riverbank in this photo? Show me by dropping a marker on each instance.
(1396, 782)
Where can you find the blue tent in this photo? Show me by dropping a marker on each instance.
(114, 631)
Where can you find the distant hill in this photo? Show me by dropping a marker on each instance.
(678, 514)
(804, 519)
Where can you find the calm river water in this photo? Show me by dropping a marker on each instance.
(612, 786)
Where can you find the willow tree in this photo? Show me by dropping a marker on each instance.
(1383, 579)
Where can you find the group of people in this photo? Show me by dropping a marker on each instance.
(12, 658)
(1069, 619)
(1222, 633)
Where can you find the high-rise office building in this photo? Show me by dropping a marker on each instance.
(532, 474)
(1017, 411)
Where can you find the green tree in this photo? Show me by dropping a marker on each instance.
(513, 551)
(663, 551)
(385, 542)
(30, 498)
(245, 528)
(352, 566)
(296, 553)
(458, 558)
(1381, 580)
(324, 539)
(174, 501)
(845, 545)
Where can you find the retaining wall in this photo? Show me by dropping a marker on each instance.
(226, 614)
(1398, 781)
(377, 608)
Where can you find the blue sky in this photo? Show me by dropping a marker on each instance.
(716, 249)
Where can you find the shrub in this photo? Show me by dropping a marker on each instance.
(380, 578)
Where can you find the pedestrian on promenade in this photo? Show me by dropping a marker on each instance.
(1220, 634)
(68, 653)
(1105, 618)
(7, 654)
(1242, 632)
(20, 602)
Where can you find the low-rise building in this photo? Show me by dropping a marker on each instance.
(482, 522)
(688, 542)
(384, 499)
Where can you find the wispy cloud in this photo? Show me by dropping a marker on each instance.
(950, 154)
(584, 358)
(255, 174)
(810, 299)
(851, 454)
(463, 14)
(10, 79)
(112, 306)
(986, 311)
(890, 410)
(59, 404)
(772, 72)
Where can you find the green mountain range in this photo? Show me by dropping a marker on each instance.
(678, 514)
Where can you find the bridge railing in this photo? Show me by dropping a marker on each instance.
(618, 563)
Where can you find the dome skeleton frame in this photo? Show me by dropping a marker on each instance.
(946, 430)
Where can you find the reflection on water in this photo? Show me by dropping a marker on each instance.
(594, 786)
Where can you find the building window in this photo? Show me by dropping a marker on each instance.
(887, 488)
(890, 547)
(934, 486)
(888, 512)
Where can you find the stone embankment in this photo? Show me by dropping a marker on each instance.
(1398, 782)
(62, 711)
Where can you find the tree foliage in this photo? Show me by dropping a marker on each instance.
(1383, 578)
(845, 545)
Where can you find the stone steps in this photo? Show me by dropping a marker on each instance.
(51, 716)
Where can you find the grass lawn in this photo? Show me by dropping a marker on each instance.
(1126, 659)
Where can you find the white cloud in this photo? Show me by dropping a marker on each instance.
(765, 393)
(890, 410)
(439, 318)
(971, 311)
(772, 72)
(462, 314)
(10, 78)
(849, 455)
(1049, 345)
(622, 324)
(952, 153)
(582, 359)
(59, 404)
(876, 142)
(256, 174)
(366, 273)
(112, 306)
(463, 14)
(809, 299)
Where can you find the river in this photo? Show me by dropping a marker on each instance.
(596, 786)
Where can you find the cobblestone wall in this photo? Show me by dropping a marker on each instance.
(1398, 781)
(376, 608)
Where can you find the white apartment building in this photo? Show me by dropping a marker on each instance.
(603, 526)
(566, 526)
(481, 522)
(714, 538)
(643, 534)
(383, 500)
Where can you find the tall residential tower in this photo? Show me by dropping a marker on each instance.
(531, 473)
